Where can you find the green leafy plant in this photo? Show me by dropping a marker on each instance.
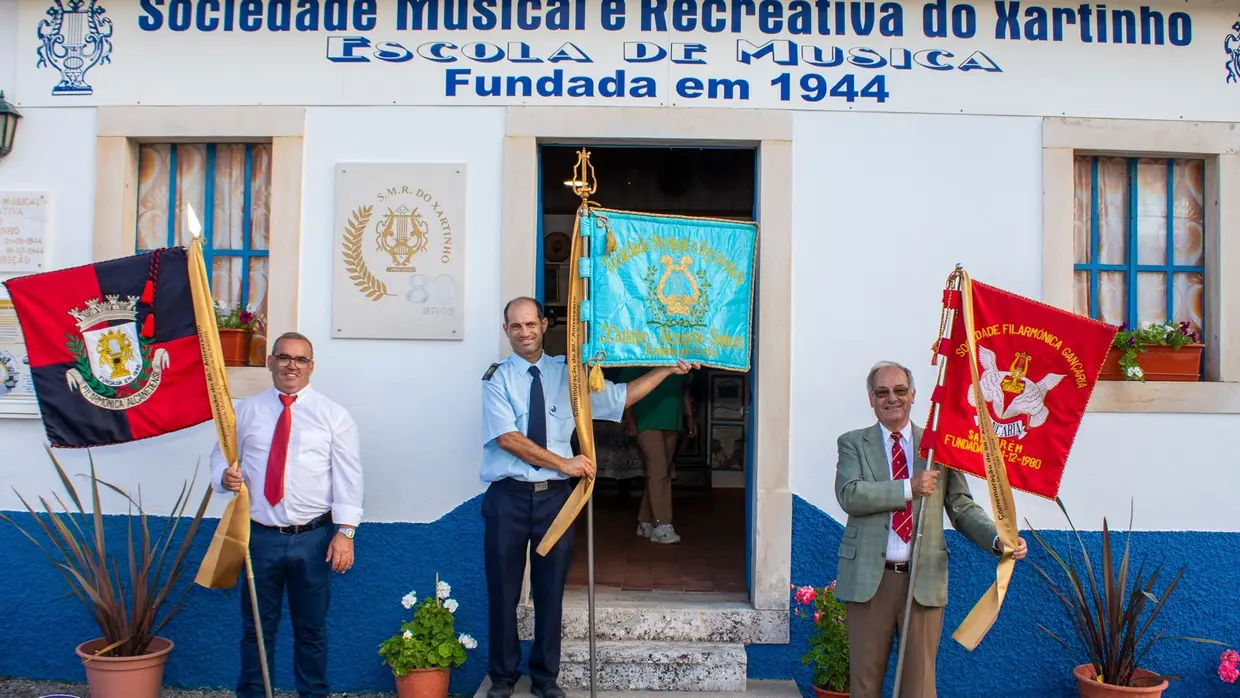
(126, 608)
(1134, 340)
(828, 645)
(429, 640)
(238, 317)
(1111, 617)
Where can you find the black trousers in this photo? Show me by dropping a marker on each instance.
(297, 563)
(517, 514)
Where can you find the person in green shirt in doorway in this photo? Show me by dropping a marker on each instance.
(655, 422)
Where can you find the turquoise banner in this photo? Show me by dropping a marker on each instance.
(672, 287)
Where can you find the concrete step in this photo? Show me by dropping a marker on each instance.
(665, 617)
(753, 689)
(655, 666)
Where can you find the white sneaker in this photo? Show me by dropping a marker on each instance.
(664, 533)
(644, 529)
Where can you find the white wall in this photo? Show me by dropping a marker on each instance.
(884, 207)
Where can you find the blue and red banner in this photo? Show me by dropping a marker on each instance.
(114, 349)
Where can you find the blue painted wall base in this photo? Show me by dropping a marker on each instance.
(1016, 660)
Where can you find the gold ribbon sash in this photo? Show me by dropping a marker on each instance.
(222, 563)
(979, 621)
(578, 394)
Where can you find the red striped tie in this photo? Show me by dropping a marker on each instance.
(901, 520)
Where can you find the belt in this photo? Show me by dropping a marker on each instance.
(900, 567)
(522, 486)
(318, 522)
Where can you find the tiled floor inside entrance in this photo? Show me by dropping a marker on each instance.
(709, 558)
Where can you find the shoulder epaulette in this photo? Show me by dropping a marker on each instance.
(490, 372)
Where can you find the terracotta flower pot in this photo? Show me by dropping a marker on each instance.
(236, 346)
(1158, 363)
(423, 683)
(1089, 688)
(824, 693)
(125, 677)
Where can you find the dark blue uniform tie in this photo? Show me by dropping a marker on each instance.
(537, 429)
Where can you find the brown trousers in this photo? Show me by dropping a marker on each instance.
(658, 447)
(871, 628)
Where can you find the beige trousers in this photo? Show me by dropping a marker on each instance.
(871, 628)
(658, 447)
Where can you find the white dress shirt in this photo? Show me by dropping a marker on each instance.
(324, 469)
(897, 549)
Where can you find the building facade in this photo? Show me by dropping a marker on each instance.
(1084, 155)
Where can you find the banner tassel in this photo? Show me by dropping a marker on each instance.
(596, 379)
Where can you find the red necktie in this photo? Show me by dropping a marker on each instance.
(901, 520)
(274, 486)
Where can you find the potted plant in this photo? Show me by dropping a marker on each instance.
(828, 645)
(1154, 351)
(427, 648)
(127, 661)
(1111, 617)
(237, 326)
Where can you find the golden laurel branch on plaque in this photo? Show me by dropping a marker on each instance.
(354, 263)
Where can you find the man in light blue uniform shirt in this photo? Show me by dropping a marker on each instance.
(527, 461)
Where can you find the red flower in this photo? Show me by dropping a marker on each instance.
(246, 317)
(806, 595)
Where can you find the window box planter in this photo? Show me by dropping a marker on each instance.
(1158, 363)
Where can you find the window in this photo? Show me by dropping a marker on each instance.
(1139, 240)
(228, 185)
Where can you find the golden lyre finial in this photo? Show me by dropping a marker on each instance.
(584, 183)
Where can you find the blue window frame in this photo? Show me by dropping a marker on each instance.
(1140, 250)
(214, 177)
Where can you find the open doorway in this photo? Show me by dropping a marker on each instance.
(710, 470)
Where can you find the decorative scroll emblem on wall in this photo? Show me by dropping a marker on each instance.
(76, 38)
(8, 373)
(1232, 45)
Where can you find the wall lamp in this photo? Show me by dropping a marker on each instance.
(8, 125)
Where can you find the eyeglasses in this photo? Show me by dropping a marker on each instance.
(884, 393)
(284, 359)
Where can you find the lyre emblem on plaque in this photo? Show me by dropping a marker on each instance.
(76, 38)
(402, 234)
(683, 291)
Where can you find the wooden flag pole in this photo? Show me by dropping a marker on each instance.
(945, 331)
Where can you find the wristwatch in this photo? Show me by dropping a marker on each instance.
(348, 532)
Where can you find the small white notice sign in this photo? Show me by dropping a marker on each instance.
(23, 231)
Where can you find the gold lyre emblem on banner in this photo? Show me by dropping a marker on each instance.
(1015, 381)
(402, 234)
(677, 303)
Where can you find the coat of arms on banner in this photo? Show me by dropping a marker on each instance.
(664, 288)
(75, 38)
(399, 240)
(115, 368)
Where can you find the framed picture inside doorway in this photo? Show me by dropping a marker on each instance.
(727, 446)
(727, 397)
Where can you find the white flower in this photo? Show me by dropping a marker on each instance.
(409, 600)
(467, 642)
(442, 590)
(451, 605)
(249, 308)
(222, 306)
(1135, 372)
(407, 635)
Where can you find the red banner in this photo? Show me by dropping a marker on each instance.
(1037, 367)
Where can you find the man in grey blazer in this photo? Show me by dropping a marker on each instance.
(881, 483)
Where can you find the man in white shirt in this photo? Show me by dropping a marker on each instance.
(300, 460)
